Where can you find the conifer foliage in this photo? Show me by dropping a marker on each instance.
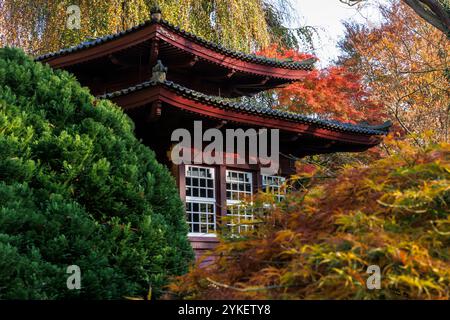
(77, 188)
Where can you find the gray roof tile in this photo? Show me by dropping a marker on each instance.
(252, 109)
(307, 64)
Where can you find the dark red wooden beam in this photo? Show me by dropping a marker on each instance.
(148, 95)
(104, 49)
(157, 32)
(154, 52)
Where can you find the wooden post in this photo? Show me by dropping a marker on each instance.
(154, 53)
(221, 186)
(257, 181)
(181, 181)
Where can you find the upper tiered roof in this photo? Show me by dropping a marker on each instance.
(204, 65)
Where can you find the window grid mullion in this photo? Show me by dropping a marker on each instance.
(200, 200)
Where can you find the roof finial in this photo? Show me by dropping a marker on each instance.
(159, 72)
(155, 13)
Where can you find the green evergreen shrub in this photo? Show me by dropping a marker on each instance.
(77, 188)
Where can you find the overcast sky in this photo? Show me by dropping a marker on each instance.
(327, 17)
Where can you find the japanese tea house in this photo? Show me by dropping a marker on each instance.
(165, 78)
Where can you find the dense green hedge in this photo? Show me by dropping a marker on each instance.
(76, 187)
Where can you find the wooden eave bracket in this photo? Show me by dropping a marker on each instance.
(155, 111)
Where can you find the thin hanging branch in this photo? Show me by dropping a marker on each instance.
(250, 289)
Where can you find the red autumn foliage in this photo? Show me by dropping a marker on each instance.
(333, 92)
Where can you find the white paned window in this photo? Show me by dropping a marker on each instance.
(239, 187)
(200, 200)
(274, 185)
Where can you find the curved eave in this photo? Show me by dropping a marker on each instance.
(164, 31)
(101, 47)
(236, 61)
(358, 138)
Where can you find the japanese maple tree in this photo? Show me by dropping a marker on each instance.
(334, 92)
(322, 241)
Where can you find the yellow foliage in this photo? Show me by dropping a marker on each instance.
(393, 213)
(39, 26)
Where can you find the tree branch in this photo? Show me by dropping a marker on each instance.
(435, 15)
(432, 11)
(246, 289)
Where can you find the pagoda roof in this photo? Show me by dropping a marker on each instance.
(193, 101)
(210, 67)
(307, 64)
(249, 108)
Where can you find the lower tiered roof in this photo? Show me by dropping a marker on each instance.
(255, 110)
(341, 136)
